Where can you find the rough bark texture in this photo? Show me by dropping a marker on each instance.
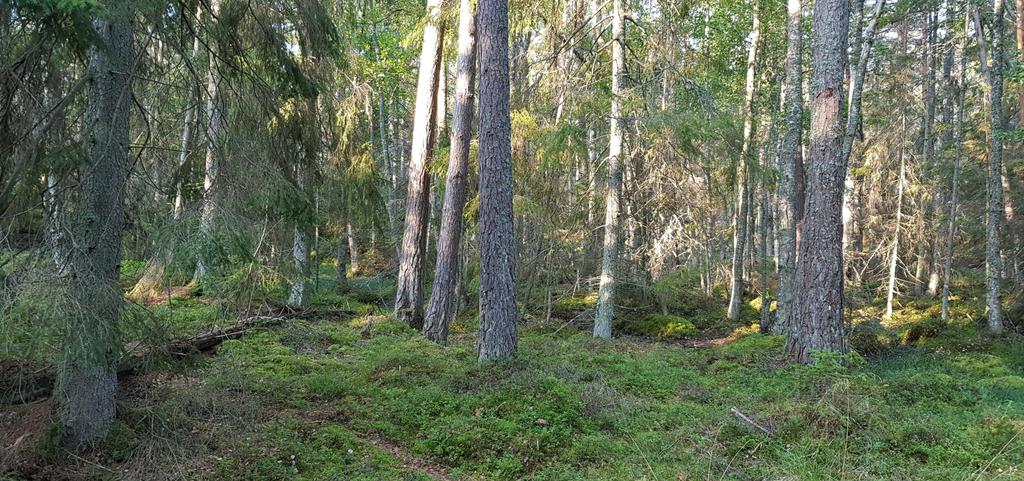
(443, 300)
(497, 337)
(87, 379)
(993, 262)
(613, 188)
(819, 327)
(788, 159)
(409, 297)
(743, 199)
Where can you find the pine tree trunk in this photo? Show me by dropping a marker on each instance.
(789, 157)
(993, 262)
(498, 336)
(86, 383)
(444, 302)
(819, 327)
(613, 190)
(409, 298)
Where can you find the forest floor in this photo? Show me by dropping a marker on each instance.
(366, 398)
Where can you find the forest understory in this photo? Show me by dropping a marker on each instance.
(364, 397)
(538, 240)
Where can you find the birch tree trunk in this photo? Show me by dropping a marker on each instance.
(214, 118)
(342, 255)
(497, 338)
(789, 157)
(819, 327)
(86, 384)
(444, 302)
(613, 189)
(743, 197)
(186, 135)
(409, 296)
(297, 297)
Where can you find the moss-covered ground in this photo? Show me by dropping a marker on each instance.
(366, 398)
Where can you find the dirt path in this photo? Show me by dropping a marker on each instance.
(407, 459)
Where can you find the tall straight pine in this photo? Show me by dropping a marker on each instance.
(819, 326)
(497, 337)
(409, 295)
(443, 298)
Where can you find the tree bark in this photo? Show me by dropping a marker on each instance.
(86, 384)
(297, 297)
(894, 253)
(342, 256)
(924, 261)
(409, 297)
(961, 90)
(214, 118)
(743, 198)
(862, 44)
(993, 262)
(605, 310)
(444, 303)
(498, 336)
(789, 157)
(1019, 31)
(819, 327)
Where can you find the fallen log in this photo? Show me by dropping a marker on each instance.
(20, 384)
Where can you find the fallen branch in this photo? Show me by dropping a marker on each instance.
(746, 419)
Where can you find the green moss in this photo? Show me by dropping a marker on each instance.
(656, 326)
(568, 307)
(300, 401)
(131, 272)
